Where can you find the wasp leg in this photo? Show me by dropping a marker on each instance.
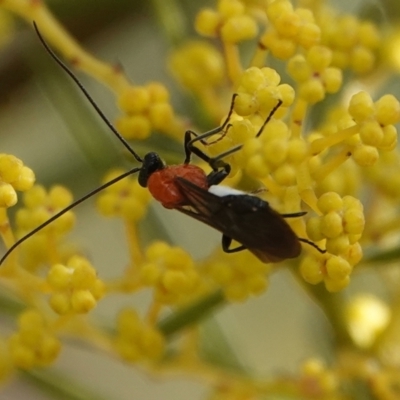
(227, 241)
(309, 242)
(192, 137)
(294, 215)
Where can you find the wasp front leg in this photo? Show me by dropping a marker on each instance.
(220, 169)
(226, 243)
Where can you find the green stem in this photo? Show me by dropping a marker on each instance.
(189, 315)
(172, 20)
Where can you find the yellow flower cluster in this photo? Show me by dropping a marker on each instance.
(341, 225)
(75, 287)
(239, 277)
(171, 272)
(136, 340)
(39, 206)
(145, 108)
(200, 68)
(229, 21)
(353, 42)
(125, 199)
(317, 381)
(14, 175)
(376, 121)
(34, 344)
(314, 74)
(289, 27)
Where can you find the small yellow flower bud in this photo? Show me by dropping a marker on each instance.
(60, 197)
(338, 245)
(82, 301)
(361, 106)
(152, 343)
(8, 196)
(177, 259)
(60, 303)
(30, 319)
(362, 60)
(330, 201)
(10, 168)
(338, 268)
(298, 68)
(371, 133)
(25, 180)
(365, 156)
(256, 167)
(387, 110)
(275, 152)
(161, 115)
(354, 221)
(389, 140)
(150, 273)
(285, 175)
(331, 225)
(332, 79)
(230, 8)
(106, 204)
(319, 58)
(132, 208)
(207, 22)
(257, 284)
(309, 35)
(252, 79)
(175, 281)
(312, 91)
(314, 229)
(83, 275)
(311, 269)
(134, 127)
(134, 100)
(158, 92)
(246, 104)
(334, 285)
(221, 272)
(280, 47)
(278, 8)
(23, 357)
(49, 350)
(241, 131)
(288, 24)
(98, 289)
(287, 94)
(59, 277)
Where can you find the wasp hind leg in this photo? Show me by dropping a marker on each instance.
(309, 242)
(227, 241)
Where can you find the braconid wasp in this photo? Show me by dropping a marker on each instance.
(242, 217)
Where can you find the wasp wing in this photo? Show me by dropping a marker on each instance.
(244, 218)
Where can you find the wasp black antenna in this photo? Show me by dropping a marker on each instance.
(86, 94)
(66, 209)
